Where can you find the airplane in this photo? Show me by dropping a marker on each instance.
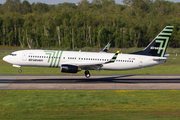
(73, 61)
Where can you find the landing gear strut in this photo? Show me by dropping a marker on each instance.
(87, 73)
(19, 70)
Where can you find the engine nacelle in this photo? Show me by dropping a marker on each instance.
(69, 69)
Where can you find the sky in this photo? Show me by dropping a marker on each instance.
(70, 1)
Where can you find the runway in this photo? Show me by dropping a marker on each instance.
(96, 82)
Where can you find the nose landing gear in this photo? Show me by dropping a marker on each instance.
(19, 70)
(87, 73)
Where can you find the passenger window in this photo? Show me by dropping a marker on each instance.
(13, 54)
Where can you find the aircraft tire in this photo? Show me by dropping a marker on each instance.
(19, 70)
(87, 74)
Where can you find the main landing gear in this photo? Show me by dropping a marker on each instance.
(87, 73)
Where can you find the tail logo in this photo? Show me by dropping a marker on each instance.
(161, 41)
(159, 45)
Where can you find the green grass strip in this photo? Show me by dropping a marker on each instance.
(90, 104)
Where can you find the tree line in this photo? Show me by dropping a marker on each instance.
(69, 25)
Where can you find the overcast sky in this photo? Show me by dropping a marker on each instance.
(70, 1)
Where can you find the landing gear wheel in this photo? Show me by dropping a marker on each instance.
(19, 70)
(87, 73)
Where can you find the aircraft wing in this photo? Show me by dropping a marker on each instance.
(93, 65)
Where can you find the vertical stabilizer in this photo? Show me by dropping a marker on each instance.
(159, 45)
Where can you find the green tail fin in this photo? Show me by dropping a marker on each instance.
(159, 45)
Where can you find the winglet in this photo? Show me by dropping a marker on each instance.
(113, 58)
(106, 48)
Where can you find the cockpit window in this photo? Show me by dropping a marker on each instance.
(13, 54)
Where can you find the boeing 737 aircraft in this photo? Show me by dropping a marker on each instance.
(72, 62)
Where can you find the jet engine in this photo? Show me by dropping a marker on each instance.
(69, 68)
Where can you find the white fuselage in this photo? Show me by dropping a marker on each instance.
(55, 58)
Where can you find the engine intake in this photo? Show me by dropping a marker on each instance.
(69, 69)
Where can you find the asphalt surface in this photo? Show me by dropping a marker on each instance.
(78, 82)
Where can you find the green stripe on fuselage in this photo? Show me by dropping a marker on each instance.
(56, 59)
(49, 56)
(52, 59)
(59, 59)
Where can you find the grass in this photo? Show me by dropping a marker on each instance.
(170, 67)
(90, 104)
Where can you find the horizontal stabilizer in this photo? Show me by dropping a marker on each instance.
(160, 58)
(166, 55)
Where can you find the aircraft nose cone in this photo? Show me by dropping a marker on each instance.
(6, 58)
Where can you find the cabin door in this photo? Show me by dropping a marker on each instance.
(140, 62)
(24, 56)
